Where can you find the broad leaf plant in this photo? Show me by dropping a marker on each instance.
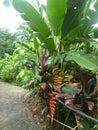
(66, 35)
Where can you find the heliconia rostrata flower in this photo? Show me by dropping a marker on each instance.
(57, 80)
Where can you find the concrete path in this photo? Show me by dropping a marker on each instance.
(14, 115)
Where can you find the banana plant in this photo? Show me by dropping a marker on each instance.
(67, 23)
(65, 32)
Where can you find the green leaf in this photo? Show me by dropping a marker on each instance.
(69, 90)
(73, 16)
(32, 15)
(35, 21)
(50, 46)
(96, 127)
(56, 10)
(93, 15)
(36, 44)
(84, 61)
(95, 30)
(84, 125)
(96, 6)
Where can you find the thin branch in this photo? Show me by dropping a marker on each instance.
(77, 117)
(63, 124)
(75, 127)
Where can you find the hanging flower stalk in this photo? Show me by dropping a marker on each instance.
(52, 104)
(57, 79)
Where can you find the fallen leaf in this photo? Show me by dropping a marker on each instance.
(30, 82)
(43, 85)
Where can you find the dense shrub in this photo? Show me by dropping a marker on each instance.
(7, 42)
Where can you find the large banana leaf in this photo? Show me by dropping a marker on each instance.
(88, 61)
(91, 18)
(35, 20)
(75, 9)
(56, 10)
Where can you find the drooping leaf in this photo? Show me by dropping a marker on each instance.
(32, 16)
(56, 10)
(36, 22)
(86, 61)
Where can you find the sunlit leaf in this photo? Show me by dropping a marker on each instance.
(96, 126)
(56, 9)
(32, 15)
(86, 62)
(36, 44)
(36, 22)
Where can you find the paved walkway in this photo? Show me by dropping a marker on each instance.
(14, 115)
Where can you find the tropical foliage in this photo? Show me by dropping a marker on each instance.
(66, 27)
(7, 44)
(61, 41)
(20, 66)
